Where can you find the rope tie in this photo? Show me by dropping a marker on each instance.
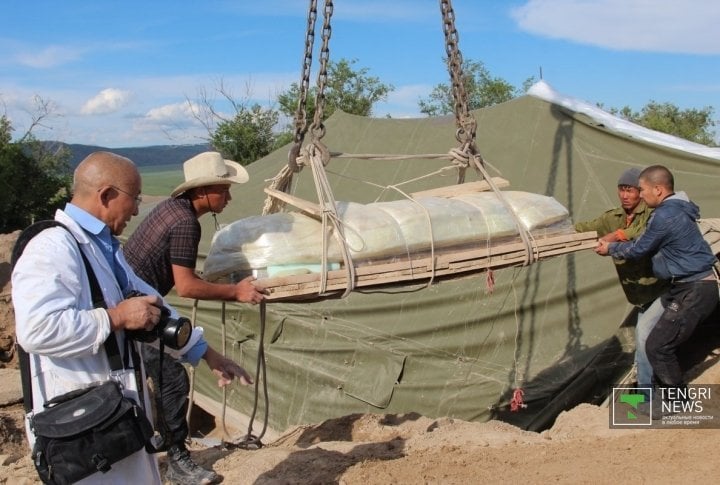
(459, 157)
(318, 155)
(531, 249)
(281, 182)
(426, 212)
(324, 153)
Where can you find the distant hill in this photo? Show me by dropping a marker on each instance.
(142, 156)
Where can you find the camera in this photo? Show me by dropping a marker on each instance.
(173, 332)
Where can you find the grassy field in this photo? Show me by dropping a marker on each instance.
(160, 179)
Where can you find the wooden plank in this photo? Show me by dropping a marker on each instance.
(416, 269)
(422, 268)
(310, 208)
(459, 189)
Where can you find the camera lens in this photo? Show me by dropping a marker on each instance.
(176, 333)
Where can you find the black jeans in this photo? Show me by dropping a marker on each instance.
(175, 387)
(686, 305)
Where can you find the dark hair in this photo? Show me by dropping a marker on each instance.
(659, 175)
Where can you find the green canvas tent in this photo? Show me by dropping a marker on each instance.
(455, 348)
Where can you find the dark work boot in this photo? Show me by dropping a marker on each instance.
(182, 470)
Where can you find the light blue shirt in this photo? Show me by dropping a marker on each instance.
(100, 234)
(109, 245)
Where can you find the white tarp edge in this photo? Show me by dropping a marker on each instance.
(544, 91)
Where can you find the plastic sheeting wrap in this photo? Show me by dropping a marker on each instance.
(379, 231)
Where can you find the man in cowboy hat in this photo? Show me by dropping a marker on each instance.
(163, 251)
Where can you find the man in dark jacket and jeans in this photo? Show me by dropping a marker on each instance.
(679, 254)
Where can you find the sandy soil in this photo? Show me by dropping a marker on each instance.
(380, 449)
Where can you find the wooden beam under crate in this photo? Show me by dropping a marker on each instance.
(423, 267)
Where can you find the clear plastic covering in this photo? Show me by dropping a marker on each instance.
(379, 231)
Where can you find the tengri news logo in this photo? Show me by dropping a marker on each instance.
(628, 404)
(690, 407)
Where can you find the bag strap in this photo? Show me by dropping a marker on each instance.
(111, 346)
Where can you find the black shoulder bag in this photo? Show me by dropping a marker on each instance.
(87, 430)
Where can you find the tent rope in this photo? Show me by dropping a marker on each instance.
(459, 160)
(251, 441)
(532, 253)
(517, 402)
(426, 212)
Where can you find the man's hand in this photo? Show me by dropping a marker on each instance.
(602, 248)
(225, 369)
(247, 292)
(137, 313)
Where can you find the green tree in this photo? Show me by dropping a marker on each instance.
(481, 87)
(248, 136)
(691, 124)
(5, 131)
(34, 179)
(347, 88)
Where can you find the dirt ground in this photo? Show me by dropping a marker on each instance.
(380, 449)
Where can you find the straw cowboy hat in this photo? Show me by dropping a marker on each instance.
(209, 168)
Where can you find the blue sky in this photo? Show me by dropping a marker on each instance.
(121, 73)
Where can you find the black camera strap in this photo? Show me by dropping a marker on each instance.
(112, 349)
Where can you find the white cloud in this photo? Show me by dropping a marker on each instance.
(48, 57)
(106, 101)
(669, 26)
(172, 114)
(171, 122)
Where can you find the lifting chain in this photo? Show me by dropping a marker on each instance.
(318, 128)
(283, 180)
(301, 113)
(465, 122)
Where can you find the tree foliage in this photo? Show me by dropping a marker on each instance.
(347, 88)
(481, 87)
(248, 136)
(252, 131)
(245, 136)
(691, 124)
(34, 179)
